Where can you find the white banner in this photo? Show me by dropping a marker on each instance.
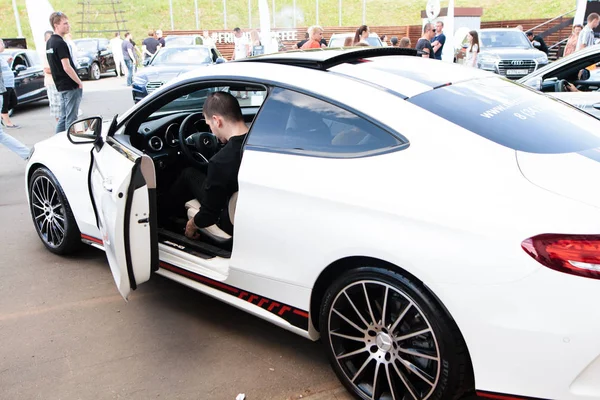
(39, 12)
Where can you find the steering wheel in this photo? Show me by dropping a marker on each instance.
(198, 147)
(561, 85)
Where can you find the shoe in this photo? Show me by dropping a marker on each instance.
(13, 126)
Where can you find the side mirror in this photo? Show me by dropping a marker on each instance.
(220, 60)
(535, 83)
(19, 68)
(583, 75)
(85, 130)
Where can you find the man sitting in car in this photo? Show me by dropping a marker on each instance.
(216, 186)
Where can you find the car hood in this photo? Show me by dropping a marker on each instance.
(166, 73)
(570, 175)
(506, 53)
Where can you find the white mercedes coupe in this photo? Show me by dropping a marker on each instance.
(436, 226)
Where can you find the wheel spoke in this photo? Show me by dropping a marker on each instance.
(369, 304)
(417, 354)
(418, 372)
(410, 335)
(357, 339)
(352, 353)
(60, 229)
(55, 233)
(357, 374)
(52, 197)
(48, 190)
(393, 327)
(59, 217)
(385, 296)
(38, 206)
(349, 322)
(40, 216)
(37, 196)
(405, 381)
(390, 383)
(49, 232)
(375, 376)
(356, 310)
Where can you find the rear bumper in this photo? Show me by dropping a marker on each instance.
(537, 337)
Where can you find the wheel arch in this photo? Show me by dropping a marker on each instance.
(337, 268)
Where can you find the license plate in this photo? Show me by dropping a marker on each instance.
(517, 72)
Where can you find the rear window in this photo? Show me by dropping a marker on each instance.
(513, 116)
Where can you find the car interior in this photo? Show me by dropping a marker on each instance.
(575, 73)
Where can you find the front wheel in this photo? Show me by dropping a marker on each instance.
(51, 213)
(94, 71)
(387, 338)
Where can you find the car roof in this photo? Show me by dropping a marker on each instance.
(13, 51)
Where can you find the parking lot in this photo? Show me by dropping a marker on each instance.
(68, 334)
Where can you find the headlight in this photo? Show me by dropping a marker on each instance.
(139, 80)
(83, 60)
(487, 61)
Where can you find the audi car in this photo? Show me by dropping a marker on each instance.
(438, 232)
(507, 52)
(168, 63)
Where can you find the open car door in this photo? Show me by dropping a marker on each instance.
(123, 188)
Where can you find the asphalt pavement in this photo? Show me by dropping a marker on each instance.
(67, 334)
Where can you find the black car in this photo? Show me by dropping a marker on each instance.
(29, 74)
(94, 57)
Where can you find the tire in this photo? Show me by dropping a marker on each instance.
(52, 216)
(94, 71)
(414, 351)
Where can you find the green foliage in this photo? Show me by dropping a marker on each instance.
(142, 15)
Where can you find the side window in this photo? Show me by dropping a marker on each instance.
(293, 121)
(20, 60)
(103, 44)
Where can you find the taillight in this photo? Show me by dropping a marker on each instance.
(572, 254)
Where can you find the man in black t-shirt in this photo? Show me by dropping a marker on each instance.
(423, 46)
(214, 188)
(63, 71)
(150, 45)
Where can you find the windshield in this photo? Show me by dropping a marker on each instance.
(182, 55)
(179, 40)
(87, 45)
(494, 39)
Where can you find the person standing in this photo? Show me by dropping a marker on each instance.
(361, 35)
(63, 71)
(472, 49)
(10, 100)
(586, 36)
(572, 41)
(53, 95)
(116, 46)
(315, 34)
(394, 41)
(384, 39)
(13, 144)
(537, 42)
(128, 56)
(150, 45)
(439, 40)
(257, 47)
(241, 47)
(404, 43)
(424, 44)
(160, 38)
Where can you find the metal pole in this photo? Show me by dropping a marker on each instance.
(171, 13)
(317, 9)
(294, 24)
(17, 19)
(224, 14)
(340, 12)
(364, 12)
(196, 10)
(249, 14)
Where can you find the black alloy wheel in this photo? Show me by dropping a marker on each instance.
(51, 213)
(95, 71)
(388, 339)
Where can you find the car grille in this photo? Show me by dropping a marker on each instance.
(152, 86)
(516, 68)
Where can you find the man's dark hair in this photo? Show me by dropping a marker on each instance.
(117, 34)
(529, 33)
(56, 18)
(223, 104)
(127, 34)
(394, 40)
(236, 29)
(427, 27)
(440, 22)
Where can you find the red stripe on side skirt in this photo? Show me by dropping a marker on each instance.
(499, 396)
(198, 278)
(91, 239)
(301, 313)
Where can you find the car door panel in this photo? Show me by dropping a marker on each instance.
(123, 188)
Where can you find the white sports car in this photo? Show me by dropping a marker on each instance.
(435, 225)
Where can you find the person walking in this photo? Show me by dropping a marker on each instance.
(439, 40)
(63, 71)
(53, 96)
(13, 144)
(116, 46)
(10, 100)
(128, 56)
(472, 49)
(586, 36)
(572, 41)
(424, 44)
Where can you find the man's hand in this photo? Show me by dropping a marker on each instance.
(191, 230)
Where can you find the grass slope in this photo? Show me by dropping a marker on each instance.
(142, 15)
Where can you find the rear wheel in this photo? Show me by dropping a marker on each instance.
(94, 71)
(51, 213)
(387, 338)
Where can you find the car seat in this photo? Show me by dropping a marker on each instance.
(214, 232)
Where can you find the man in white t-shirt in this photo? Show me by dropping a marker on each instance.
(241, 45)
(116, 46)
